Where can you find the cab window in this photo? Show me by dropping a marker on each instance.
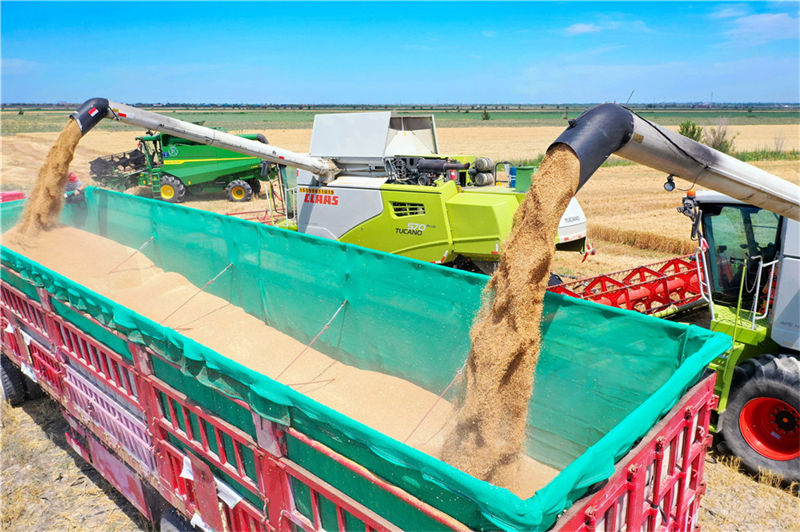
(738, 235)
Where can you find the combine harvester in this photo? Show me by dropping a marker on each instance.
(174, 167)
(188, 435)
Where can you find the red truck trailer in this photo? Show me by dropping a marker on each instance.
(192, 439)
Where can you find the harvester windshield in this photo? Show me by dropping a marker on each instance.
(738, 236)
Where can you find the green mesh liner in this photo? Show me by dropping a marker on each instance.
(604, 378)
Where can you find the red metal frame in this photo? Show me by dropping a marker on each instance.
(119, 425)
(200, 442)
(104, 364)
(659, 487)
(647, 289)
(10, 339)
(27, 311)
(47, 368)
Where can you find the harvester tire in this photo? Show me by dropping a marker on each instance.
(172, 189)
(761, 424)
(172, 521)
(255, 186)
(11, 380)
(238, 191)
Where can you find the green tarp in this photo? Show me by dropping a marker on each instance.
(604, 377)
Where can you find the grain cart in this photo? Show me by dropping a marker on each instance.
(191, 434)
(377, 180)
(175, 167)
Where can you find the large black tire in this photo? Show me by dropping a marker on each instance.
(172, 189)
(761, 423)
(172, 521)
(255, 186)
(11, 380)
(238, 191)
(32, 390)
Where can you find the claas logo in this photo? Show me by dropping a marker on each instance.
(320, 196)
(323, 199)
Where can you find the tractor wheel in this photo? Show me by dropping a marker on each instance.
(486, 267)
(761, 423)
(238, 191)
(172, 189)
(255, 186)
(11, 380)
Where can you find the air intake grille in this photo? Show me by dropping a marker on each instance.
(407, 209)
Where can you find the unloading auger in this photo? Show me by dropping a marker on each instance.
(612, 129)
(92, 111)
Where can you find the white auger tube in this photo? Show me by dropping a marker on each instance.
(92, 111)
(610, 128)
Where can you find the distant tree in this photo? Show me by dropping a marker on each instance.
(691, 130)
(485, 115)
(21, 112)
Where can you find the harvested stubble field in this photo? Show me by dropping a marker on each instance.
(632, 221)
(35, 119)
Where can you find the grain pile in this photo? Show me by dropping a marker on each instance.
(388, 404)
(42, 210)
(489, 433)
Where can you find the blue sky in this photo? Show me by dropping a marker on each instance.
(546, 52)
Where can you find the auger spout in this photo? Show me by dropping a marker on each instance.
(92, 111)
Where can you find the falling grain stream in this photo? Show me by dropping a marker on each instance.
(489, 435)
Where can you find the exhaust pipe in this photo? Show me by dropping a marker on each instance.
(610, 128)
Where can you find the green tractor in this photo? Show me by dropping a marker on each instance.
(174, 167)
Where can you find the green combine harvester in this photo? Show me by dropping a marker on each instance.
(174, 167)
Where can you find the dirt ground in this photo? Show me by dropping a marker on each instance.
(42, 478)
(633, 221)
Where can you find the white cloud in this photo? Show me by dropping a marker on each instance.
(579, 29)
(489, 33)
(765, 27)
(14, 66)
(605, 25)
(728, 11)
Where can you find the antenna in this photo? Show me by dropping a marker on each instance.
(630, 96)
